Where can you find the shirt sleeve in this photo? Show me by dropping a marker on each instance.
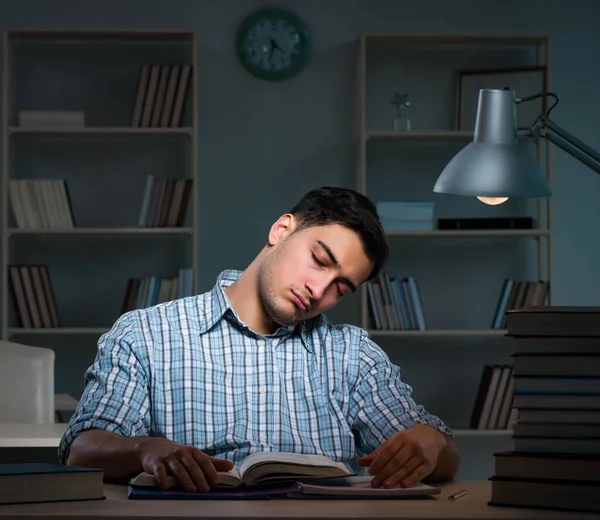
(381, 403)
(115, 396)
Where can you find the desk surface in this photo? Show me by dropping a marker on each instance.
(470, 507)
(31, 435)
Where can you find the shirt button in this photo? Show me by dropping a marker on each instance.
(262, 437)
(262, 390)
(261, 342)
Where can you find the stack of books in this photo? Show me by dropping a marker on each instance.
(555, 460)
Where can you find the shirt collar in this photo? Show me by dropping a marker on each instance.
(219, 306)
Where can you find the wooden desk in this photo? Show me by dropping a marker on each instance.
(473, 506)
(30, 442)
(31, 435)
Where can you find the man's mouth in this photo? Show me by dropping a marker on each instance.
(300, 302)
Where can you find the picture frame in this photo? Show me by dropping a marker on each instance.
(525, 81)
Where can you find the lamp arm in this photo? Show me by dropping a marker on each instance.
(570, 144)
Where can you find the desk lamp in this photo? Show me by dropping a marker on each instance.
(494, 167)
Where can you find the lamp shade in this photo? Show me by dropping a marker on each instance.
(494, 164)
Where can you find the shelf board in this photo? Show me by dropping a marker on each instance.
(468, 432)
(438, 332)
(104, 231)
(444, 135)
(100, 34)
(434, 233)
(98, 130)
(455, 39)
(60, 330)
(433, 135)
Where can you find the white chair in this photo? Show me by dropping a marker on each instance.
(26, 384)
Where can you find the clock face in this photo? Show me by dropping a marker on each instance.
(273, 44)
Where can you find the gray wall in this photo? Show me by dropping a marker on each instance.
(280, 140)
(283, 139)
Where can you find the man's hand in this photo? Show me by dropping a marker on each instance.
(406, 458)
(193, 468)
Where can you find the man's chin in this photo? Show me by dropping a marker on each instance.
(286, 320)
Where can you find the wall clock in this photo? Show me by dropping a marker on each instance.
(273, 44)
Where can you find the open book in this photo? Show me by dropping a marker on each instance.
(266, 468)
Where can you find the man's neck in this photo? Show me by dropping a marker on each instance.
(244, 297)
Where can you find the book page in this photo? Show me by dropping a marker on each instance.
(229, 478)
(361, 486)
(290, 459)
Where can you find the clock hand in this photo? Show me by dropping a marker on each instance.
(276, 45)
(272, 49)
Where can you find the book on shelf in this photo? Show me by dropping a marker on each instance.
(161, 95)
(556, 438)
(493, 408)
(486, 223)
(41, 203)
(35, 302)
(33, 296)
(293, 475)
(149, 291)
(516, 294)
(395, 303)
(406, 216)
(165, 202)
(28, 482)
(51, 118)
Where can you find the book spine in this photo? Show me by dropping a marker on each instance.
(486, 223)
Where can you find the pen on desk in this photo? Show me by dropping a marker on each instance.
(457, 495)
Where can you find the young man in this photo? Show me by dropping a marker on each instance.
(192, 386)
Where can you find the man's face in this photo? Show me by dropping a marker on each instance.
(309, 271)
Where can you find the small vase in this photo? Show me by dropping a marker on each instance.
(402, 124)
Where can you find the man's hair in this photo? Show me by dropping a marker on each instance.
(331, 205)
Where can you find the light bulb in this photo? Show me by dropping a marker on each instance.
(492, 201)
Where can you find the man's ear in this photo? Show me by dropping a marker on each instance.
(283, 227)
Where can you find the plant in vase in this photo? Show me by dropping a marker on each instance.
(401, 121)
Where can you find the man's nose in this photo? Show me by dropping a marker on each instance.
(317, 289)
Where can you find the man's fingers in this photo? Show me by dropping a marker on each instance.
(160, 475)
(419, 473)
(368, 459)
(391, 466)
(195, 472)
(181, 475)
(222, 464)
(384, 456)
(404, 470)
(207, 467)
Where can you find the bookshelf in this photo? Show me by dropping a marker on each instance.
(459, 272)
(106, 162)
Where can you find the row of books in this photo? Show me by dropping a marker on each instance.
(493, 409)
(516, 294)
(35, 302)
(33, 296)
(556, 439)
(395, 303)
(46, 204)
(161, 95)
(40, 203)
(165, 202)
(141, 293)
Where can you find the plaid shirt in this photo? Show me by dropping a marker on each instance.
(191, 371)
